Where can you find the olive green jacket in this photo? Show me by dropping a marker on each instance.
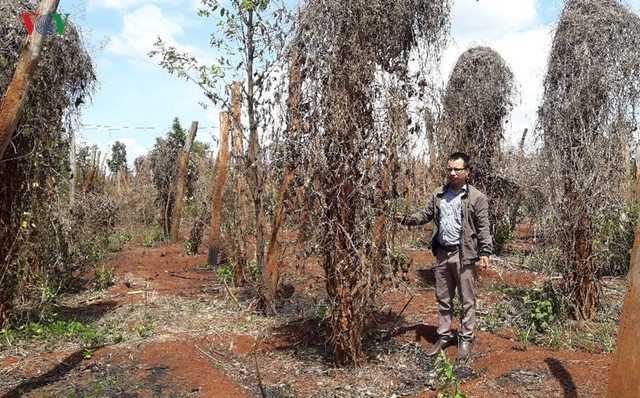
(476, 237)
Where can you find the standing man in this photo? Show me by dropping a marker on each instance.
(461, 243)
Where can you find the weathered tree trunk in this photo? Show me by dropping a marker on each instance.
(15, 97)
(623, 379)
(11, 109)
(349, 279)
(123, 176)
(271, 273)
(222, 167)
(344, 266)
(6, 299)
(239, 236)
(430, 125)
(183, 163)
(254, 157)
(582, 272)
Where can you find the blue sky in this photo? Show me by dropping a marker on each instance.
(136, 99)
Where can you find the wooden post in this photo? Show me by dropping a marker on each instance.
(521, 146)
(183, 163)
(222, 166)
(623, 381)
(236, 100)
(93, 172)
(13, 100)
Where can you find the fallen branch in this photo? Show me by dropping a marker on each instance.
(255, 359)
(208, 355)
(393, 325)
(235, 300)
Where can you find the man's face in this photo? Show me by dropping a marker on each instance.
(456, 172)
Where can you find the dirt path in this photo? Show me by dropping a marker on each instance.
(184, 334)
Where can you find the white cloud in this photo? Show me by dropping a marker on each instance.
(633, 4)
(526, 53)
(134, 149)
(517, 34)
(125, 4)
(141, 29)
(492, 18)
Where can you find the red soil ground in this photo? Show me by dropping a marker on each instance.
(213, 347)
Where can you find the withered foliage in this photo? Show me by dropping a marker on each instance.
(478, 97)
(35, 230)
(587, 116)
(347, 147)
(163, 164)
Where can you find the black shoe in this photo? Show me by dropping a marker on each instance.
(441, 344)
(464, 348)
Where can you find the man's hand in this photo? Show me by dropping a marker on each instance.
(483, 263)
(398, 217)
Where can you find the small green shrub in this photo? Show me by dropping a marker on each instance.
(117, 238)
(104, 276)
(256, 272)
(417, 243)
(320, 317)
(528, 312)
(538, 310)
(146, 329)
(56, 330)
(450, 384)
(503, 234)
(225, 272)
(153, 236)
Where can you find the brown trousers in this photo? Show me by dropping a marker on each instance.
(449, 275)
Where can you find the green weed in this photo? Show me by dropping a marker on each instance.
(153, 236)
(53, 332)
(320, 316)
(146, 329)
(187, 247)
(256, 272)
(502, 235)
(117, 238)
(104, 276)
(225, 272)
(417, 243)
(538, 310)
(614, 241)
(450, 384)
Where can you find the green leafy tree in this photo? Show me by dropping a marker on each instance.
(118, 159)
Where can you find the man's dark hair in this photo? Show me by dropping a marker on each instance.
(461, 155)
